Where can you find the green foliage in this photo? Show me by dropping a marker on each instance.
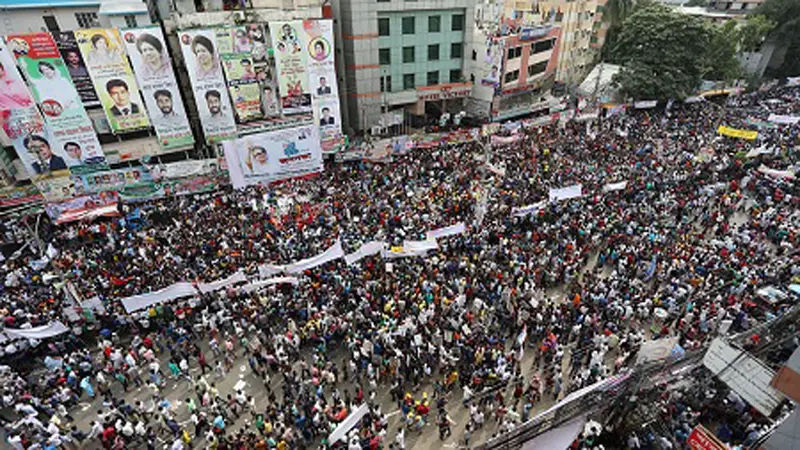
(665, 54)
(786, 15)
(751, 34)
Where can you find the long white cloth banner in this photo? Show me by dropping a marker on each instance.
(646, 104)
(458, 228)
(334, 252)
(776, 173)
(268, 270)
(272, 281)
(419, 246)
(530, 209)
(368, 249)
(348, 423)
(574, 191)
(142, 301)
(238, 277)
(785, 120)
(504, 140)
(42, 332)
(611, 187)
(499, 171)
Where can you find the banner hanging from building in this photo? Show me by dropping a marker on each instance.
(113, 79)
(493, 61)
(152, 66)
(322, 77)
(273, 156)
(113, 180)
(86, 207)
(68, 47)
(40, 61)
(57, 189)
(201, 57)
(291, 61)
(23, 124)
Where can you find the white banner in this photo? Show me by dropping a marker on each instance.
(419, 246)
(254, 286)
(656, 350)
(143, 301)
(183, 169)
(611, 187)
(42, 332)
(268, 270)
(785, 120)
(458, 228)
(238, 277)
(201, 58)
(504, 140)
(645, 104)
(566, 193)
(530, 209)
(348, 423)
(273, 156)
(331, 254)
(499, 171)
(776, 173)
(368, 249)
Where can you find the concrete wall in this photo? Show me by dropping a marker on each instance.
(31, 20)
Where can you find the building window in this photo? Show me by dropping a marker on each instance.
(384, 1)
(434, 24)
(386, 83)
(408, 25)
(543, 46)
(51, 23)
(512, 76)
(559, 16)
(537, 68)
(130, 21)
(514, 53)
(408, 54)
(455, 75)
(87, 20)
(474, 55)
(456, 50)
(385, 56)
(433, 78)
(472, 78)
(458, 23)
(408, 81)
(383, 26)
(433, 52)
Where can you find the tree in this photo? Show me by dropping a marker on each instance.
(786, 16)
(614, 14)
(665, 54)
(753, 31)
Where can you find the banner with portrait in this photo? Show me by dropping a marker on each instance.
(493, 62)
(291, 61)
(19, 195)
(167, 188)
(68, 47)
(201, 57)
(86, 207)
(113, 79)
(23, 124)
(40, 61)
(113, 180)
(152, 66)
(273, 155)
(57, 188)
(322, 77)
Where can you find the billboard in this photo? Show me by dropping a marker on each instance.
(23, 124)
(68, 47)
(113, 180)
(201, 57)
(273, 156)
(152, 66)
(57, 188)
(113, 79)
(493, 60)
(38, 57)
(291, 61)
(322, 77)
(84, 208)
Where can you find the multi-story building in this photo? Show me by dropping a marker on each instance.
(24, 16)
(402, 56)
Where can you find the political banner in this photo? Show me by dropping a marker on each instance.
(273, 156)
(23, 124)
(152, 66)
(184, 169)
(291, 61)
(566, 193)
(85, 207)
(19, 195)
(736, 133)
(38, 56)
(783, 119)
(322, 77)
(493, 61)
(116, 87)
(210, 92)
(68, 47)
(113, 180)
(168, 188)
(57, 188)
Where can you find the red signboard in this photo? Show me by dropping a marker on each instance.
(702, 439)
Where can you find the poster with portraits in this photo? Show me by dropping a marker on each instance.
(493, 62)
(39, 59)
(57, 188)
(273, 155)
(116, 87)
(291, 62)
(71, 54)
(322, 78)
(24, 125)
(152, 66)
(200, 54)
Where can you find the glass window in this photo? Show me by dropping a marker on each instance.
(543, 46)
(474, 55)
(456, 50)
(512, 76)
(130, 20)
(433, 78)
(388, 83)
(434, 24)
(535, 69)
(385, 56)
(408, 25)
(408, 54)
(383, 26)
(87, 20)
(408, 81)
(458, 22)
(433, 52)
(455, 75)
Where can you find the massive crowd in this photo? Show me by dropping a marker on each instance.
(580, 284)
